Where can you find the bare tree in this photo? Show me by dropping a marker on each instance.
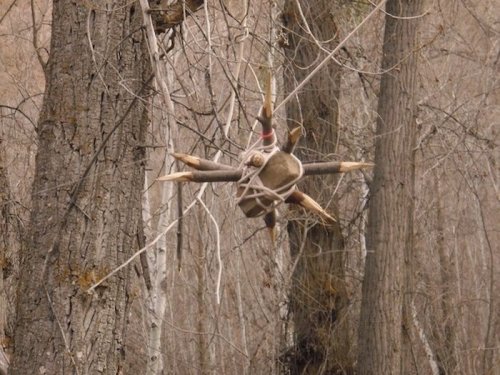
(390, 219)
(459, 147)
(318, 297)
(86, 197)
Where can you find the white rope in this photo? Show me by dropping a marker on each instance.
(253, 187)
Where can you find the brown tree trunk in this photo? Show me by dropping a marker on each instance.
(318, 296)
(391, 214)
(86, 197)
(10, 240)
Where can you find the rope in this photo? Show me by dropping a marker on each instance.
(253, 187)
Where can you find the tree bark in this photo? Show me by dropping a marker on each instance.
(318, 297)
(86, 197)
(10, 241)
(447, 357)
(392, 192)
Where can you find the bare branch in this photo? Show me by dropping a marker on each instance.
(233, 175)
(293, 137)
(334, 167)
(8, 10)
(199, 163)
(204, 176)
(304, 200)
(266, 116)
(35, 30)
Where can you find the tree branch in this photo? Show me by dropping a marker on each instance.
(199, 163)
(232, 175)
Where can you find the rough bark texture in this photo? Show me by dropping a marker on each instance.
(390, 215)
(85, 221)
(318, 297)
(9, 246)
(4, 242)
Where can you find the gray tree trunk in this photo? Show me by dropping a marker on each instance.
(318, 297)
(391, 214)
(86, 197)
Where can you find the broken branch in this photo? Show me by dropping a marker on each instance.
(293, 137)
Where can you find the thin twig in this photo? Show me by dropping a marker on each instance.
(217, 243)
(179, 226)
(35, 30)
(8, 10)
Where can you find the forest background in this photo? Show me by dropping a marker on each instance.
(90, 118)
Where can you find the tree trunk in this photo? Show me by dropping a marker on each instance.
(86, 197)
(318, 296)
(10, 235)
(391, 214)
(4, 245)
(448, 340)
